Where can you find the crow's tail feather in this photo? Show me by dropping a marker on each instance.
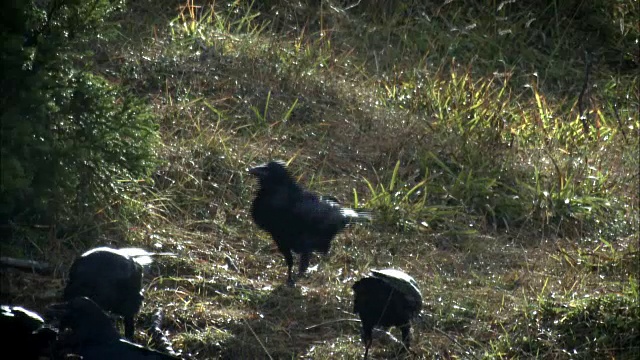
(141, 256)
(356, 215)
(351, 215)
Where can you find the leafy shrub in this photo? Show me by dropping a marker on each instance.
(70, 140)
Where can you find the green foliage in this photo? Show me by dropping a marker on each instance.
(509, 159)
(204, 23)
(406, 207)
(395, 204)
(594, 327)
(71, 142)
(548, 37)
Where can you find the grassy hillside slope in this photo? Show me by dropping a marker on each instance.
(496, 143)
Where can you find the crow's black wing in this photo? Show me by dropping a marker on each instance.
(326, 211)
(315, 223)
(318, 217)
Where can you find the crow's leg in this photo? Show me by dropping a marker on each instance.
(128, 327)
(367, 338)
(288, 258)
(304, 263)
(406, 334)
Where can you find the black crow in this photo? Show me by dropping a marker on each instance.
(113, 279)
(24, 333)
(298, 220)
(386, 298)
(87, 331)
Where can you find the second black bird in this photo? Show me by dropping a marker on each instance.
(113, 279)
(299, 221)
(386, 298)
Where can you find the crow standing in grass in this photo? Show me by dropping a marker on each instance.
(298, 220)
(386, 298)
(113, 279)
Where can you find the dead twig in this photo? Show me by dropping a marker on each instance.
(26, 265)
(615, 111)
(258, 339)
(331, 322)
(583, 92)
(456, 343)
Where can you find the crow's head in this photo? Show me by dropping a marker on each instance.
(274, 171)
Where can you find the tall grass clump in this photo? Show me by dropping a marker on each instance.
(592, 327)
(528, 131)
(509, 158)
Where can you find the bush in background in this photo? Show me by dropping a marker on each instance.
(71, 141)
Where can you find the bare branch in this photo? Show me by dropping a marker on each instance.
(26, 265)
(583, 92)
